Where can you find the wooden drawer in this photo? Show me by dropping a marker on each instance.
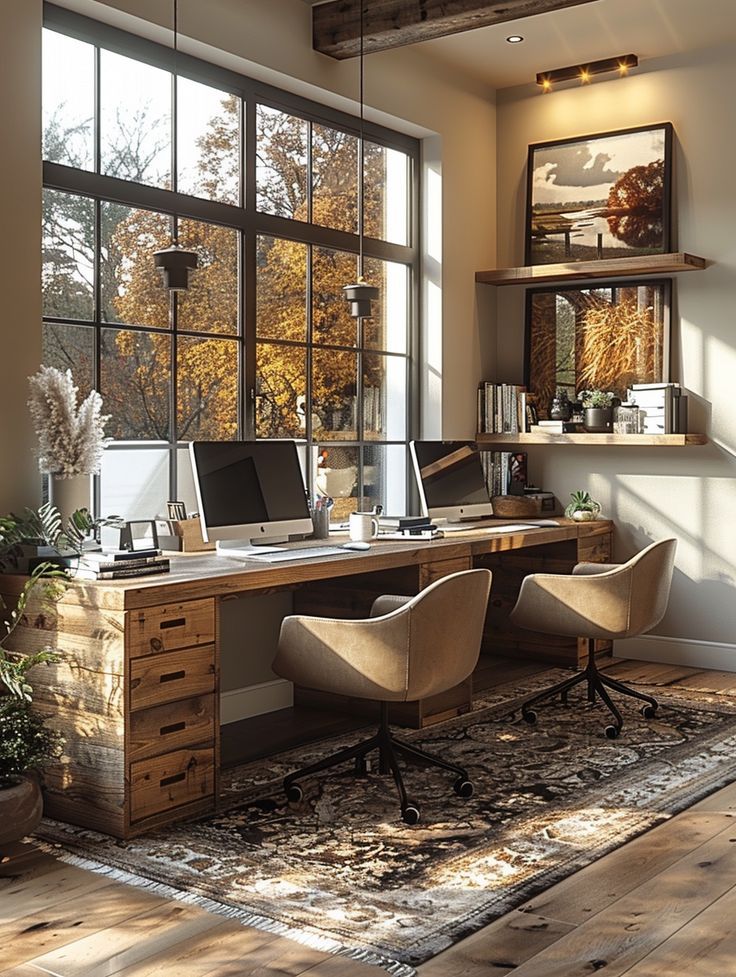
(172, 726)
(152, 630)
(429, 572)
(169, 781)
(174, 675)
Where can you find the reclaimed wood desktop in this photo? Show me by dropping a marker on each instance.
(137, 692)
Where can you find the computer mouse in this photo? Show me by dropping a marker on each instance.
(356, 545)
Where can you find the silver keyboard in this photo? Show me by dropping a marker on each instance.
(306, 553)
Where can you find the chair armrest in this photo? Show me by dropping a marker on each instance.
(589, 569)
(388, 603)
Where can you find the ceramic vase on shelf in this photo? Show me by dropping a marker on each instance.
(598, 419)
(70, 494)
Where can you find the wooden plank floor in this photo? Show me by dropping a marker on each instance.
(660, 906)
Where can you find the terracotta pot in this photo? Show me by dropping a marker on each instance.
(21, 807)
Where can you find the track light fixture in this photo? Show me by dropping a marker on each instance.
(584, 72)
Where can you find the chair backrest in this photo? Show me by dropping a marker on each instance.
(651, 577)
(445, 631)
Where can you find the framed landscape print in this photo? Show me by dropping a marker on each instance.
(599, 196)
(606, 336)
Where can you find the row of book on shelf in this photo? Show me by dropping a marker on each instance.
(505, 472)
(507, 408)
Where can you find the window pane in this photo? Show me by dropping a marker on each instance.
(70, 348)
(281, 391)
(185, 491)
(206, 389)
(384, 475)
(131, 287)
(337, 478)
(134, 483)
(384, 397)
(386, 194)
(388, 328)
(135, 383)
(211, 302)
(135, 120)
(68, 252)
(334, 179)
(281, 163)
(334, 386)
(68, 101)
(208, 142)
(331, 319)
(281, 289)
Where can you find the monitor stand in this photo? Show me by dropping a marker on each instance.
(245, 547)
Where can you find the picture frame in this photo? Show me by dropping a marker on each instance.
(573, 338)
(602, 196)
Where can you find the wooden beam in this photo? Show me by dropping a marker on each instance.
(394, 23)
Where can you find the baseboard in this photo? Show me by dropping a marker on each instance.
(678, 651)
(254, 700)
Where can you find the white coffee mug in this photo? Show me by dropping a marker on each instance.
(363, 526)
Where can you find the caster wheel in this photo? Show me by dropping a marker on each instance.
(530, 716)
(612, 732)
(410, 814)
(649, 711)
(463, 787)
(294, 793)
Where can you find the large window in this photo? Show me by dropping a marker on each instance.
(265, 188)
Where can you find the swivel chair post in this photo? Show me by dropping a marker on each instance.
(388, 747)
(598, 683)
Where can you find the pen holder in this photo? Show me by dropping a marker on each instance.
(321, 523)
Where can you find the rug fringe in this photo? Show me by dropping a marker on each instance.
(312, 940)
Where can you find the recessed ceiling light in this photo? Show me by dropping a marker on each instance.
(514, 38)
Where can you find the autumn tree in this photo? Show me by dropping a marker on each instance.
(635, 200)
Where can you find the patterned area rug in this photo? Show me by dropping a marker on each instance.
(342, 872)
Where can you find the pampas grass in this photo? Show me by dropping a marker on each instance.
(71, 439)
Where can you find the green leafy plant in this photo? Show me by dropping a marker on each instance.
(596, 398)
(26, 743)
(44, 527)
(581, 501)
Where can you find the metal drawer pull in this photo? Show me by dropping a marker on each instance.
(173, 728)
(172, 676)
(177, 622)
(174, 779)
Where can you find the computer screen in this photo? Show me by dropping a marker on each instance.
(450, 480)
(250, 491)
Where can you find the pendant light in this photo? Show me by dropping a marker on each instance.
(360, 293)
(175, 262)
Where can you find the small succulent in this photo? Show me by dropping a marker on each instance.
(596, 398)
(580, 501)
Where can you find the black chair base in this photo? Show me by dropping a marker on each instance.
(388, 747)
(598, 684)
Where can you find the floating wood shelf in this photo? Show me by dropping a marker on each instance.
(630, 440)
(647, 264)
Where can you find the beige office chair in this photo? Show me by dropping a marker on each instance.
(409, 648)
(598, 601)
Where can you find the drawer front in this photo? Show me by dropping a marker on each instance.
(172, 726)
(169, 781)
(429, 572)
(174, 675)
(171, 626)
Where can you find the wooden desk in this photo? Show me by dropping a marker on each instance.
(137, 694)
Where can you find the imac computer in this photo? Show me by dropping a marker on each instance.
(450, 480)
(249, 493)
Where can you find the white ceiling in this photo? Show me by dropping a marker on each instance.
(647, 28)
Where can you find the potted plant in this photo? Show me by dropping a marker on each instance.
(582, 507)
(597, 410)
(26, 743)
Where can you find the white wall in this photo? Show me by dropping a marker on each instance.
(688, 493)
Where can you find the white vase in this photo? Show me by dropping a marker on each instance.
(70, 494)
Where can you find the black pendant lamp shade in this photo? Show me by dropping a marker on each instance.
(175, 263)
(360, 296)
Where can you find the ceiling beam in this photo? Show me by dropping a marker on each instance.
(394, 23)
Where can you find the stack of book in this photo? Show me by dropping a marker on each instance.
(397, 527)
(119, 564)
(501, 408)
(662, 407)
(553, 427)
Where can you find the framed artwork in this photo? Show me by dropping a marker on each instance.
(599, 196)
(605, 336)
